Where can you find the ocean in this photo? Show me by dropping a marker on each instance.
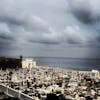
(69, 63)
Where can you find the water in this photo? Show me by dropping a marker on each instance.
(69, 63)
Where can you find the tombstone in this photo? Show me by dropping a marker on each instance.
(89, 98)
(51, 97)
(12, 98)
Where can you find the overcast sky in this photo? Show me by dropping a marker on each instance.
(55, 28)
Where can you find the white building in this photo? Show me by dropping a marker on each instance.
(29, 63)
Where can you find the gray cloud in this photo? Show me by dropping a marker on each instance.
(26, 20)
(45, 42)
(24, 27)
(6, 39)
(30, 25)
(86, 11)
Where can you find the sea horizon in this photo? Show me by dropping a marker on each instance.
(69, 63)
(85, 64)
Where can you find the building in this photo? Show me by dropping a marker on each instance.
(29, 63)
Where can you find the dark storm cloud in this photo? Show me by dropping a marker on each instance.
(10, 19)
(23, 26)
(6, 37)
(84, 11)
(98, 39)
(35, 25)
(6, 42)
(83, 16)
(45, 42)
(71, 41)
(25, 20)
(26, 27)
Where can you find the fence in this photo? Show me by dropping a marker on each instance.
(14, 93)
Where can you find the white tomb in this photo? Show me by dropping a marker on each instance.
(29, 63)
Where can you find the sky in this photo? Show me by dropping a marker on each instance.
(50, 28)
